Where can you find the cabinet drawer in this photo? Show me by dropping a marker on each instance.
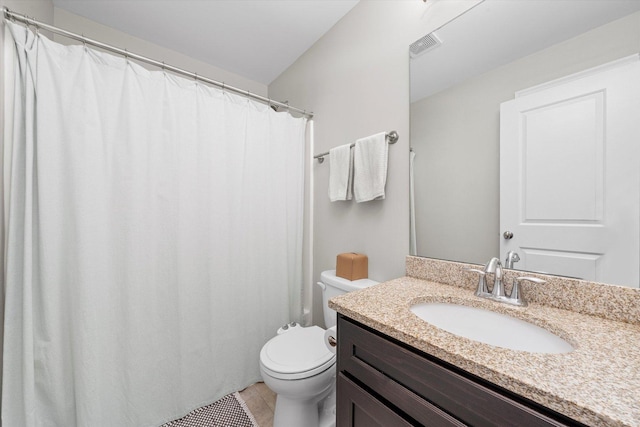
(407, 402)
(360, 409)
(388, 369)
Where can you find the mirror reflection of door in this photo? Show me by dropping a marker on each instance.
(570, 176)
(487, 55)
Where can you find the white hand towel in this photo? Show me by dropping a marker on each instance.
(340, 173)
(370, 167)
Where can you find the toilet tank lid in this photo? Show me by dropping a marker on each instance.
(329, 277)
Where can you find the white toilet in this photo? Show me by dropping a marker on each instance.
(299, 367)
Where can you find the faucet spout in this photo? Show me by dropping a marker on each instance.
(491, 266)
(512, 257)
(494, 266)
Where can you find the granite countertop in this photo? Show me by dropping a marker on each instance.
(598, 383)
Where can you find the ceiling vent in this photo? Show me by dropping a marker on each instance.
(424, 44)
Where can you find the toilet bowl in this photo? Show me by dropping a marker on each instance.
(300, 368)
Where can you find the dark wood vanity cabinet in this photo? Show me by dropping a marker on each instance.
(382, 382)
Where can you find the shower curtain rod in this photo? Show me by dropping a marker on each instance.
(30, 21)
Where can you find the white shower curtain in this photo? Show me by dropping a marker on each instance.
(413, 243)
(154, 239)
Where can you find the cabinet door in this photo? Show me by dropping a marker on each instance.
(358, 408)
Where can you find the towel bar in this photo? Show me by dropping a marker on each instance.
(392, 138)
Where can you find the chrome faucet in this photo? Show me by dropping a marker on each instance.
(494, 267)
(512, 257)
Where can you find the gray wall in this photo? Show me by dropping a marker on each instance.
(356, 81)
(92, 29)
(455, 134)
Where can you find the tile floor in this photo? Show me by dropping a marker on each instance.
(261, 401)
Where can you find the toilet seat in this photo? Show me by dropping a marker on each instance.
(299, 353)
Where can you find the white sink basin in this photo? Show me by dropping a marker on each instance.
(491, 328)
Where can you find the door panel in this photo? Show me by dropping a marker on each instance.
(572, 264)
(563, 147)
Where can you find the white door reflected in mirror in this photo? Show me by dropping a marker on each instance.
(456, 93)
(569, 175)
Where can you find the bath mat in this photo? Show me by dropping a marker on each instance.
(230, 411)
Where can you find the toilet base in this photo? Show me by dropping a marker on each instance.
(295, 413)
(327, 409)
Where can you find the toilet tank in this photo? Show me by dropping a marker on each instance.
(332, 286)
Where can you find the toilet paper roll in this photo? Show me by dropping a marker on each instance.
(331, 339)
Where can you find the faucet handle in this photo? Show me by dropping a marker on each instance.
(516, 295)
(482, 283)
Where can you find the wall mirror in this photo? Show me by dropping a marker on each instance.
(488, 56)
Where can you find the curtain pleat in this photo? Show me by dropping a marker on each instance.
(154, 240)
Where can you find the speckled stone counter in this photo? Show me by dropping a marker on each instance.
(598, 383)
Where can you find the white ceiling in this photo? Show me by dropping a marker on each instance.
(497, 32)
(257, 39)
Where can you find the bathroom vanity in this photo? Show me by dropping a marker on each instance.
(382, 382)
(396, 369)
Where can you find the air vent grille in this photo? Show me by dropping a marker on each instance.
(424, 44)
